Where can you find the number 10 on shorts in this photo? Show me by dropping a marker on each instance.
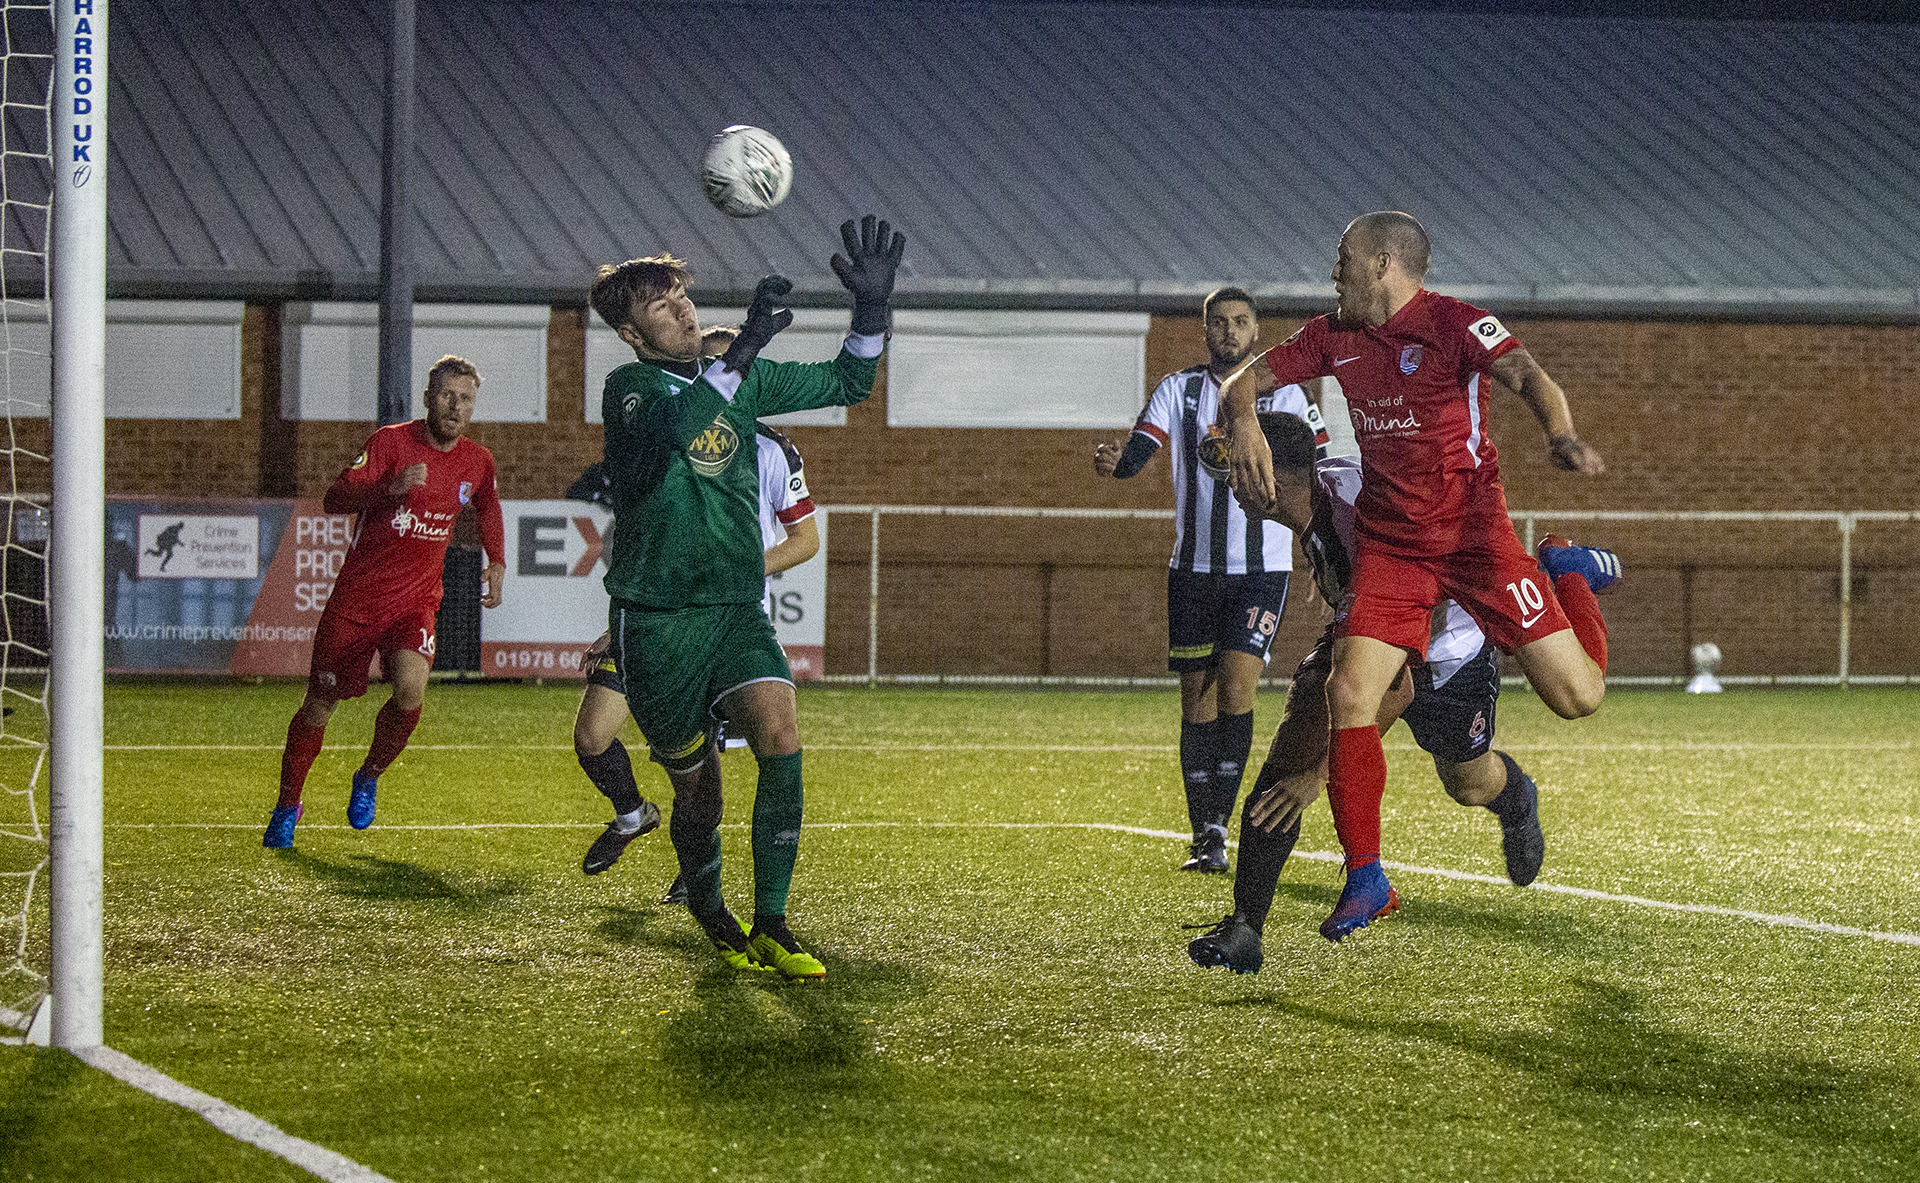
(1527, 595)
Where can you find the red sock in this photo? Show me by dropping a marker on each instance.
(1356, 783)
(391, 729)
(303, 745)
(1583, 612)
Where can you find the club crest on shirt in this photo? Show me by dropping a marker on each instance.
(1213, 452)
(466, 492)
(359, 461)
(1410, 358)
(714, 448)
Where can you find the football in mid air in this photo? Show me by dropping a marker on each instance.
(746, 171)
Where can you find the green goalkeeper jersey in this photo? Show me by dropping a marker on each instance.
(686, 479)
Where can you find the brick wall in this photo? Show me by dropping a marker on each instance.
(1688, 416)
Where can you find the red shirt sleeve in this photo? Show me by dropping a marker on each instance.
(363, 482)
(1301, 356)
(486, 509)
(1486, 339)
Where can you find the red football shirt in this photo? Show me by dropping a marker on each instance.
(1417, 391)
(400, 543)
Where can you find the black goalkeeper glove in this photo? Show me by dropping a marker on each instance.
(873, 255)
(765, 317)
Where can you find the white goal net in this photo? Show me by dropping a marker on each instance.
(26, 70)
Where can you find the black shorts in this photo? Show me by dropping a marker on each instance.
(1209, 614)
(1454, 721)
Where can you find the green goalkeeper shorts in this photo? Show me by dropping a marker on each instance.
(679, 664)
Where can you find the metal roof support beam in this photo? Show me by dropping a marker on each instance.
(396, 222)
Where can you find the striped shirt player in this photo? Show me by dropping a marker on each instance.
(784, 499)
(1227, 578)
(1447, 700)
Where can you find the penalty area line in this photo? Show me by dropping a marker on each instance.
(235, 1123)
(1775, 919)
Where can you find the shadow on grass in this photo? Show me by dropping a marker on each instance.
(367, 877)
(649, 926)
(34, 1100)
(778, 1047)
(1600, 1047)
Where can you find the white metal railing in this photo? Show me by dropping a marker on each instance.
(1844, 521)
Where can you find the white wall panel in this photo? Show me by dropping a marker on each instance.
(166, 359)
(814, 335)
(331, 358)
(1016, 369)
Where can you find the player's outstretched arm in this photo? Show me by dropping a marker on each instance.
(1123, 459)
(867, 270)
(1249, 459)
(1548, 403)
(801, 543)
(766, 316)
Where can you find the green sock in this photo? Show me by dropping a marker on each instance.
(776, 832)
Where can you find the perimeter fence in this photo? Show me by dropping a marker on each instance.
(988, 595)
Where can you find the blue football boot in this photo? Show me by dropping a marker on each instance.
(360, 802)
(1600, 568)
(280, 826)
(1366, 898)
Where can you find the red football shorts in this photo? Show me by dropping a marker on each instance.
(343, 648)
(1499, 584)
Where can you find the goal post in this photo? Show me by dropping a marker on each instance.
(76, 571)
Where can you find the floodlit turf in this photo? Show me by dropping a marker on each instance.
(1004, 1001)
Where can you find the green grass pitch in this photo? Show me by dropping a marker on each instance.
(447, 997)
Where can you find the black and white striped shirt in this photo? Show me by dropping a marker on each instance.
(1211, 532)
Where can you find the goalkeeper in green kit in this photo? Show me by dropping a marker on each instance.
(685, 568)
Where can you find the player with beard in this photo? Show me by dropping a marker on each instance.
(1448, 701)
(1227, 580)
(408, 485)
(1431, 517)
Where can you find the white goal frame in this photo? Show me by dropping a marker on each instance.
(75, 572)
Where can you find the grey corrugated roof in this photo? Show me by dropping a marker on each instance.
(1040, 154)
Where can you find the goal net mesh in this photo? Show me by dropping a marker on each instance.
(26, 72)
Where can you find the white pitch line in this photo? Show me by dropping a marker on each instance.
(235, 1123)
(1588, 893)
(1776, 919)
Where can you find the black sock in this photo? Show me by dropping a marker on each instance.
(1257, 873)
(1511, 805)
(1232, 740)
(1196, 769)
(612, 773)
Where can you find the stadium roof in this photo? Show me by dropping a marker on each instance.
(1054, 155)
